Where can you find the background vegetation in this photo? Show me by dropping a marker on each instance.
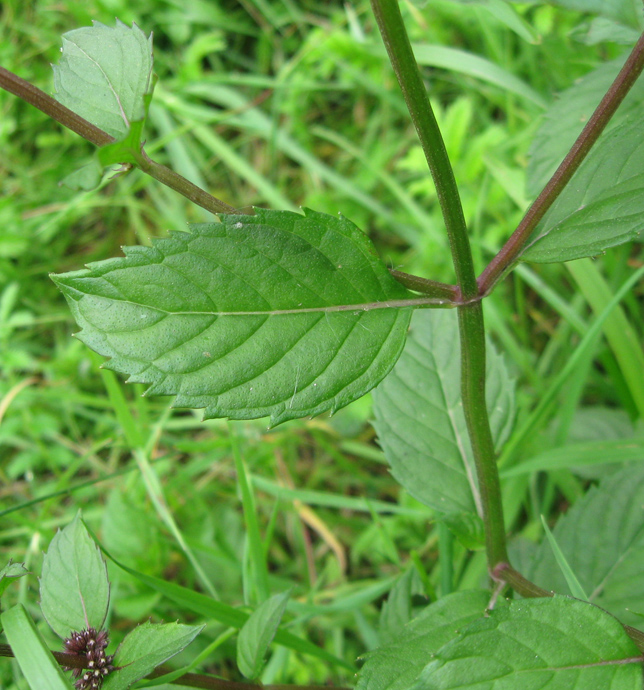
(280, 104)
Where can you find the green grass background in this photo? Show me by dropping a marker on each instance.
(280, 104)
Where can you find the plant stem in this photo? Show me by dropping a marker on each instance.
(431, 288)
(510, 252)
(68, 118)
(472, 336)
(394, 34)
(470, 312)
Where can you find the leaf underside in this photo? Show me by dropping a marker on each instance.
(74, 588)
(555, 643)
(104, 73)
(276, 314)
(611, 518)
(419, 415)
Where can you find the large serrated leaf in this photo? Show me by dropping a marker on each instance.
(558, 643)
(396, 666)
(611, 519)
(602, 206)
(257, 633)
(74, 589)
(275, 314)
(420, 420)
(145, 648)
(104, 74)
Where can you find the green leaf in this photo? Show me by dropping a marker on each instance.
(557, 643)
(74, 589)
(34, 658)
(257, 633)
(419, 415)
(11, 572)
(602, 30)
(397, 611)
(146, 647)
(104, 73)
(274, 314)
(625, 11)
(566, 117)
(602, 539)
(397, 665)
(84, 179)
(612, 218)
(468, 528)
(227, 615)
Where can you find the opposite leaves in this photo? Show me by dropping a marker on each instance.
(273, 314)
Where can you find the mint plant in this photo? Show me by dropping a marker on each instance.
(284, 315)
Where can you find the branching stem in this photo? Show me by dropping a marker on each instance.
(510, 252)
(68, 118)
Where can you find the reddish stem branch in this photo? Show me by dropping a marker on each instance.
(594, 127)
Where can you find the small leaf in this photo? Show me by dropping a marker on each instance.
(273, 314)
(397, 611)
(396, 666)
(602, 539)
(468, 528)
(104, 73)
(419, 414)
(34, 658)
(84, 179)
(257, 634)
(557, 643)
(74, 589)
(146, 647)
(11, 572)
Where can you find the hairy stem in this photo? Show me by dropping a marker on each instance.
(510, 252)
(470, 312)
(68, 118)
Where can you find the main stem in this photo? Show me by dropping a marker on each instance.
(470, 315)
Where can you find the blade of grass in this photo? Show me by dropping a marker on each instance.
(155, 492)
(329, 500)
(571, 579)
(256, 554)
(537, 417)
(582, 455)
(37, 663)
(621, 337)
(226, 615)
